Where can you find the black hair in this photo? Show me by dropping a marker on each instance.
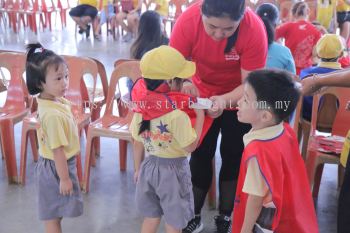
(233, 9)
(299, 9)
(149, 35)
(273, 87)
(151, 85)
(269, 14)
(38, 61)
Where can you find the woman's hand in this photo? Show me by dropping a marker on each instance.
(66, 187)
(189, 89)
(310, 85)
(219, 104)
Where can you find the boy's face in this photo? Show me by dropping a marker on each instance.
(249, 109)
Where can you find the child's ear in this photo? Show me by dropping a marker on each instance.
(267, 116)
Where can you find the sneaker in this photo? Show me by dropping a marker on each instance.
(87, 31)
(194, 226)
(223, 223)
(81, 31)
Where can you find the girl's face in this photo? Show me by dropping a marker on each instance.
(249, 109)
(56, 82)
(219, 28)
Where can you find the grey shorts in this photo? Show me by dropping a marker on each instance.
(164, 188)
(51, 203)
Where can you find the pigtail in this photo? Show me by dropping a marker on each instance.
(145, 125)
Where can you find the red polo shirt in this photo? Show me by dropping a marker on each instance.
(218, 73)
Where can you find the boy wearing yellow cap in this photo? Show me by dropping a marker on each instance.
(329, 49)
(165, 133)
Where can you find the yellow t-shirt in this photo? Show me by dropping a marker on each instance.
(163, 7)
(168, 134)
(342, 6)
(325, 11)
(345, 152)
(88, 2)
(57, 128)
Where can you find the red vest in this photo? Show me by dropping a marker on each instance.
(284, 171)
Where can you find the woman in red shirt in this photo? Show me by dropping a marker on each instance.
(226, 41)
(300, 36)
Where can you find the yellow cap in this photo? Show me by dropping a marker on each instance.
(164, 63)
(329, 46)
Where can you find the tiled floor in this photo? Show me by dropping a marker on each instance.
(109, 207)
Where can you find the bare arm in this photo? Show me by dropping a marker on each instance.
(139, 150)
(313, 83)
(252, 212)
(66, 185)
(198, 128)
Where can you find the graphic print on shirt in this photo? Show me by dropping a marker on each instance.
(303, 50)
(161, 138)
(232, 55)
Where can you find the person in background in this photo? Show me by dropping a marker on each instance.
(131, 11)
(58, 186)
(150, 34)
(300, 36)
(271, 196)
(226, 41)
(278, 56)
(107, 14)
(161, 6)
(84, 14)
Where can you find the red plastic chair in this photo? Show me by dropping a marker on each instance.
(77, 66)
(62, 6)
(15, 109)
(111, 125)
(316, 159)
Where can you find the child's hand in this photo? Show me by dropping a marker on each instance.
(66, 187)
(199, 112)
(136, 176)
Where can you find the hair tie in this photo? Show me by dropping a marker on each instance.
(39, 50)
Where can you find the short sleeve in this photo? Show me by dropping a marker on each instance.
(182, 130)
(254, 54)
(54, 128)
(135, 127)
(281, 31)
(254, 182)
(181, 37)
(290, 66)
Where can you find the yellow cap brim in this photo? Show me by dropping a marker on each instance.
(188, 71)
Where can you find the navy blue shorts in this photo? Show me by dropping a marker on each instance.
(83, 10)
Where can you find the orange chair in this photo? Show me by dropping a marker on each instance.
(110, 125)
(77, 67)
(316, 159)
(99, 102)
(16, 107)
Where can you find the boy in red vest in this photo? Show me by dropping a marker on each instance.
(272, 191)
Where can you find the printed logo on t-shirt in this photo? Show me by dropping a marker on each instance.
(232, 55)
(302, 27)
(160, 139)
